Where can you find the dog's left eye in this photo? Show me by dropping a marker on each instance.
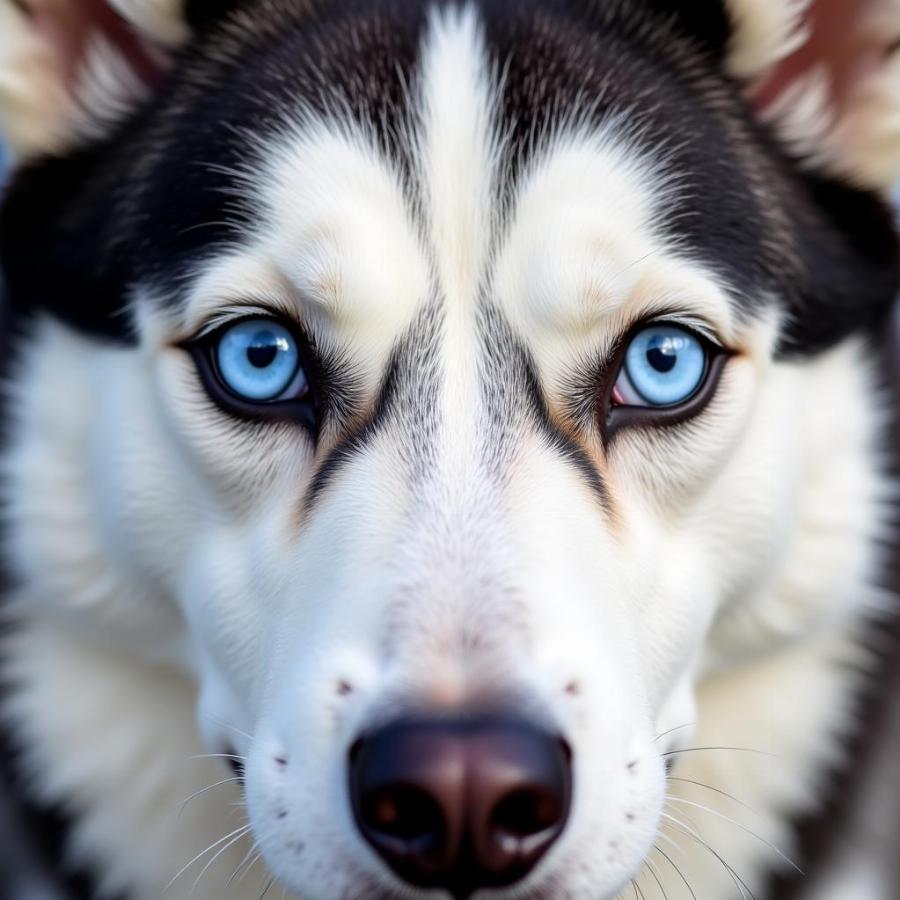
(664, 366)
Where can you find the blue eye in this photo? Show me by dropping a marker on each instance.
(259, 360)
(664, 366)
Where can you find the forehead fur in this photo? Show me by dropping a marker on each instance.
(545, 72)
(168, 191)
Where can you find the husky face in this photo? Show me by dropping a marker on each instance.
(458, 358)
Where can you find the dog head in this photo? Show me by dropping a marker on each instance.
(452, 375)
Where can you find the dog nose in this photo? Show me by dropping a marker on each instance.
(461, 804)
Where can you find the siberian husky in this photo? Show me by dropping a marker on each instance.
(445, 445)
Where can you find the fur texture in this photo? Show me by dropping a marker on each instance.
(463, 212)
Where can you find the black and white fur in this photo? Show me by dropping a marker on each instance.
(465, 207)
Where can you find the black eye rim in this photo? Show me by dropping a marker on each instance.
(306, 411)
(616, 418)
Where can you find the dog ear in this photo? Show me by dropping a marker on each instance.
(825, 74)
(68, 68)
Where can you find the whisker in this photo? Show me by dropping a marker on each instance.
(217, 721)
(704, 749)
(249, 868)
(267, 887)
(636, 262)
(203, 853)
(737, 824)
(709, 787)
(206, 868)
(672, 843)
(252, 849)
(735, 878)
(209, 787)
(739, 882)
(218, 756)
(672, 864)
(652, 869)
(659, 737)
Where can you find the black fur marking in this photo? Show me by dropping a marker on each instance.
(409, 391)
(514, 400)
(829, 253)
(163, 191)
(850, 255)
(353, 443)
(564, 445)
(52, 226)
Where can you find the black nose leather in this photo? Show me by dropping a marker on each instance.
(461, 804)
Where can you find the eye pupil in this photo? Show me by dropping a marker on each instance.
(662, 356)
(262, 354)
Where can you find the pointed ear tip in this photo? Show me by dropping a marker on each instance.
(764, 32)
(878, 168)
(796, 58)
(47, 93)
(160, 20)
(32, 102)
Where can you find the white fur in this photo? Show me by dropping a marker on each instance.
(176, 594)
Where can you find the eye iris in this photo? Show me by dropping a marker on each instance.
(665, 365)
(259, 361)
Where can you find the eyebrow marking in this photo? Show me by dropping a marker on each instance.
(562, 443)
(353, 443)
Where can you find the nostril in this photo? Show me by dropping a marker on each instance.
(406, 814)
(403, 789)
(526, 813)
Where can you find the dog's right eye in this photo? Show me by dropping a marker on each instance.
(259, 361)
(254, 368)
